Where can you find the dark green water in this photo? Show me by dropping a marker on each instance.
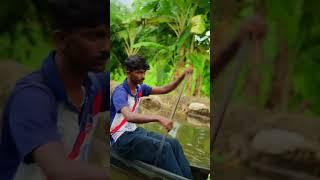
(194, 140)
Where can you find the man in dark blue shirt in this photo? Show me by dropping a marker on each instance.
(134, 142)
(51, 115)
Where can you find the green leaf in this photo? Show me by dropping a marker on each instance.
(198, 24)
(185, 35)
(148, 44)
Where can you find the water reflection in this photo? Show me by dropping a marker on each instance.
(194, 140)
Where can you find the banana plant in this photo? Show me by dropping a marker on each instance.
(180, 16)
(199, 61)
(163, 31)
(129, 35)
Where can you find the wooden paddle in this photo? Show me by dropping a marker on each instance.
(229, 87)
(171, 117)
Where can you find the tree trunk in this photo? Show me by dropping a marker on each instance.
(181, 61)
(253, 81)
(197, 89)
(189, 80)
(252, 89)
(278, 100)
(223, 17)
(189, 85)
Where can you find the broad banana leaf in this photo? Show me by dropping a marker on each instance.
(198, 24)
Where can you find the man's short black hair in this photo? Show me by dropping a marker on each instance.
(136, 62)
(73, 14)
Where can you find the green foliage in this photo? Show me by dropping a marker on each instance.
(24, 32)
(295, 24)
(160, 30)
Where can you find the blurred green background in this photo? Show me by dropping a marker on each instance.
(24, 32)
(282, 71)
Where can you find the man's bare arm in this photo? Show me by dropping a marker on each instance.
(170, 87)
(51, 158)
(142, 118)
(225, 56)
(138, 118)
(253, 28)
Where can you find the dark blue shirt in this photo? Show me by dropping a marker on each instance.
(122, 97)
(30, 117)
(120, 94)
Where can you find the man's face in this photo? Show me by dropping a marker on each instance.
(87, 49)
(137, 76)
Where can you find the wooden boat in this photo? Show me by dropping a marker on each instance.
(137, 170)
(140, 170)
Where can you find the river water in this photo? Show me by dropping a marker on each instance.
(194, 140)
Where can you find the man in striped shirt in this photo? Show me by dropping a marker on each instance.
(134, 142)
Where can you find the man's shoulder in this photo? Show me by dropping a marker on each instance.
(34, 82)
(119, 87)
(145, 86)
(35, 78)
(119, 91)
(146, 90)
(32, 95)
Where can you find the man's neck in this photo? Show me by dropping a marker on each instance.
(72, 79)
(132, 86)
